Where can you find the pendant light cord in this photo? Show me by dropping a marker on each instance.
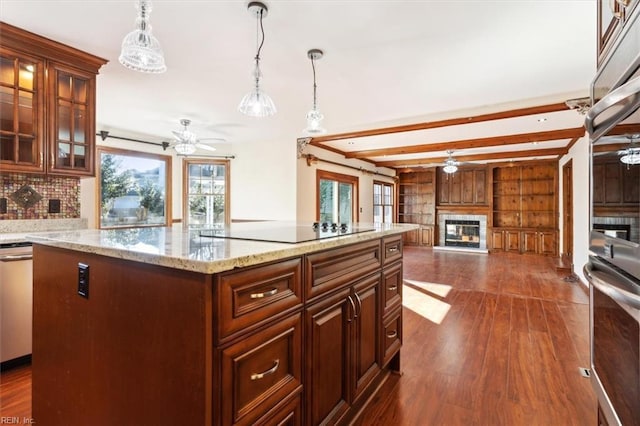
(262, 32)
(313, 67)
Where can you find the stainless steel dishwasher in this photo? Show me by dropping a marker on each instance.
(16, 301)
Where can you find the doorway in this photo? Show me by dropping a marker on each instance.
(567, 208)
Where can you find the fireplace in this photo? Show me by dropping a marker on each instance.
(462, 233)
(621, 231)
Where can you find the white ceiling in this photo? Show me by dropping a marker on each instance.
(386, 63)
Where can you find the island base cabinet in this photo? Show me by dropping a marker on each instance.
(261, 370)
(343, 339)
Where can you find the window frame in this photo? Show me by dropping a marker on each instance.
(340, 178)
(100, 150)
(392, 199)
(186, 162)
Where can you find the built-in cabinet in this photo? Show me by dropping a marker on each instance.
(47, 119)
(302, 340)
(417, 204)
(464, 187)
(615, 186)
(524, 210)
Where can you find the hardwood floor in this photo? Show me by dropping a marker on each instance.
(488, 340)
(507, 350)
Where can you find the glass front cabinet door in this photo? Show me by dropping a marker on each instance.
(71, 129)
(21, 112)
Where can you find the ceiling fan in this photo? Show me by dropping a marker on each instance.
(450, 164)
(186, 142)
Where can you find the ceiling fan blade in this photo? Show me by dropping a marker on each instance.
(211, 140)
(205, 147)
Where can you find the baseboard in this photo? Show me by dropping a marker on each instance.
(16, 362)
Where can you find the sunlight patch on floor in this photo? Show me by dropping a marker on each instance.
(424, 305)
(441, 290)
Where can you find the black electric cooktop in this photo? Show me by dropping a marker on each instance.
(288, 233)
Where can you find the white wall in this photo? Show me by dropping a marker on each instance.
(579, 153)
(306, 182)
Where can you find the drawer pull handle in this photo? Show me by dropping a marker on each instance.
(353, 307)
(265, 294)
(393, 288)
(392, 249)
(258, 376)
(392, 334)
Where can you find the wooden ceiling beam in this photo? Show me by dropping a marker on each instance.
(472, 143)
(542, 109)
(477, 157)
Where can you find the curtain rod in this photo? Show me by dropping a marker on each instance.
(104, 134)
(312, 158)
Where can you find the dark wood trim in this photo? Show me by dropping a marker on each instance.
(460, 209)
(339, 177)
(542, 109)
(477, 157)
(472, 143)
(186, 162)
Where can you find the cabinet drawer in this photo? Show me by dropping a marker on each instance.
(288, 413)
(261, 371)
(246, 298)
(392, 336)
(392, 287)
(392, 248)
(331, 269)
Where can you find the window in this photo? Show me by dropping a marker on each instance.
(382, 202)
(206, 193)
(337, 197)
(134, 188)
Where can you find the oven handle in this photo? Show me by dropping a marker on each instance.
(626, 92)
(612, 287)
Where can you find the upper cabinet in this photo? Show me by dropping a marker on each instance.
(47, 114)
(612, 16)
(464, 187)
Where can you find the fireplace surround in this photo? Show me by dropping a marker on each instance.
(482, 230)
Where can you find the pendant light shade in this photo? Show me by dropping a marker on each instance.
(141, 51)
(314, 117)
(257, 103)
(630, 156)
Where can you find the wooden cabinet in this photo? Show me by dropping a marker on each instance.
(525, 208)
(526, 241)
(464, 187)
(262, 370)
(416, 204)
(343, 335)
(615, 185)
(48, 105)
(301, 340)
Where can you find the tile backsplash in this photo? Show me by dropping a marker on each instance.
(65, 189)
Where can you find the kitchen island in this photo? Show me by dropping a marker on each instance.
(156, 326)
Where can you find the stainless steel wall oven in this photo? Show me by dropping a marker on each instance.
(613, 269)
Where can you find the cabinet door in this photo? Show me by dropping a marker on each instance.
(366, 334)
(547, 243)
(529, 242)
(410, 237)
(71, 121)
(426, 235)
(512, 240)
(327, 348)
(21, 113)
(497, 240)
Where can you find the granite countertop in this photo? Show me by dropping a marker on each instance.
(15, 231)
(180, 248)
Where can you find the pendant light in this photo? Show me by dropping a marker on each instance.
(314, 117)
(141, 51)
(257, 103)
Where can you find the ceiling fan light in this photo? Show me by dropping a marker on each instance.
(185, 148)
(631, 157)
(141, 51)
(450, 168)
